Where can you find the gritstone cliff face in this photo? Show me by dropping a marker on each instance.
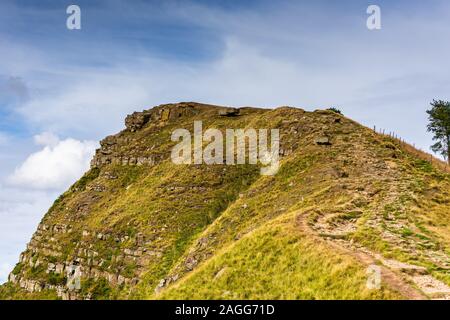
(345, 198)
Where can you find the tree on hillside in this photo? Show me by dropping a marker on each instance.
(439, 118)
(336, 110)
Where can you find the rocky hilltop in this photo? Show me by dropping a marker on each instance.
(345, 201)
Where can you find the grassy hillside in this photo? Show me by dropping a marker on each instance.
(277, 261)
(139, 226)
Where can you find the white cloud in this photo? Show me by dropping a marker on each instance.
(57, 165)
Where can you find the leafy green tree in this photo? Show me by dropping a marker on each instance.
(439, 118)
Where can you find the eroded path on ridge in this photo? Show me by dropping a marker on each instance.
(379, 200)
(411, 281)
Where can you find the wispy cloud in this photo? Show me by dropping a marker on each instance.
(290, 53)
(4, 139)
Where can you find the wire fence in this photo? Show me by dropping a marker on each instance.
(411, 148)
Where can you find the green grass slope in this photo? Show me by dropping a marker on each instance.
(277, 261)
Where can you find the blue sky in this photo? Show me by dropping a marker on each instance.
(62, 90)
